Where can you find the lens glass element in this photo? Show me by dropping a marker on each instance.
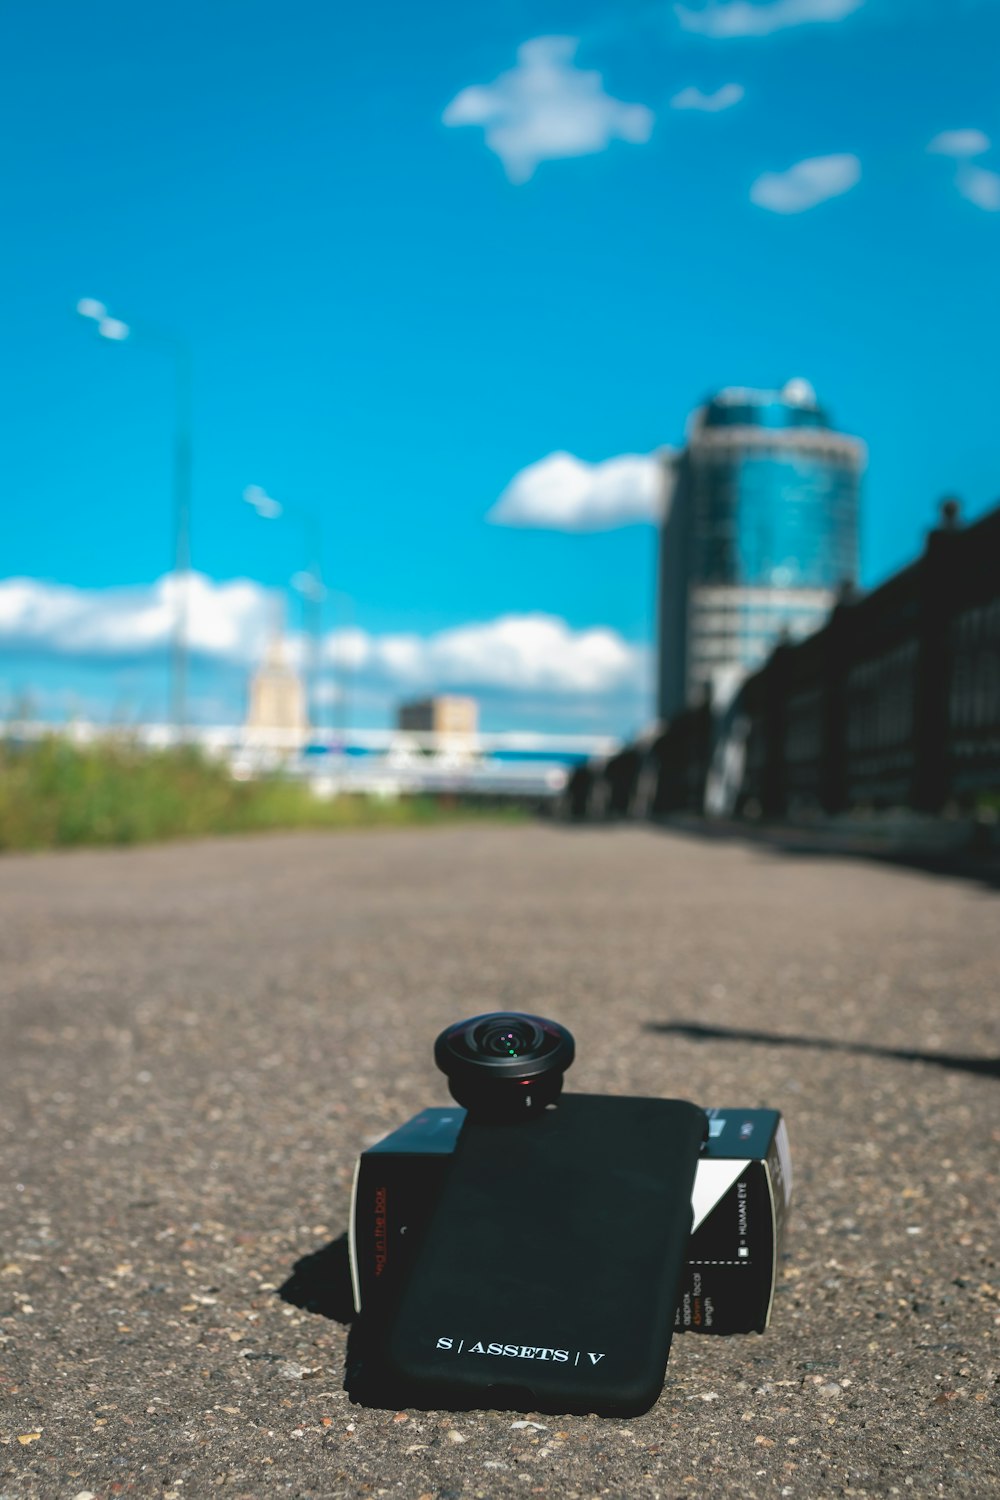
(507, 1039)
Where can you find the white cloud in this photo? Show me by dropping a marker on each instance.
(228, 620)
(545, 108)
(229, 623)
(728, 18)
(959, 143)
(806, 184)
(563, 493)
(522, 654)
(980, 186)
(723, 98)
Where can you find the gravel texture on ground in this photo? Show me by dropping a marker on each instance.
(198, 1039)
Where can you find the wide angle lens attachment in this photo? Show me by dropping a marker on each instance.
(505, 1065)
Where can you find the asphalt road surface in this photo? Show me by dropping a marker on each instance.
(197, 1040)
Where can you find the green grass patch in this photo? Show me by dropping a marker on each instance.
(56, 794)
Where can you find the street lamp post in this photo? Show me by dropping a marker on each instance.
(118, 331)
(342, 666)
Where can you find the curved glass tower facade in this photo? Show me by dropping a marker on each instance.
(761, 533)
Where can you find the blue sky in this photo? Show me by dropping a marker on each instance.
(416, 250)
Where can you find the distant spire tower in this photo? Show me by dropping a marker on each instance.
(277, 704)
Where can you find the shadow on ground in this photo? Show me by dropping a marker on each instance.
(321, 1282)
(985, 1067)
(972, 857)
(961, 861)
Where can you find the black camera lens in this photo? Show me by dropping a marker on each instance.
(506, 1065)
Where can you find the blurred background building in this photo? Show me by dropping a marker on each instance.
(759, 536)
(277, 698)
(446, 714)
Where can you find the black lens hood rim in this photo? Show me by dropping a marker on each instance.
(481, 1066)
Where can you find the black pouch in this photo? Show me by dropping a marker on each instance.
(548, 1275)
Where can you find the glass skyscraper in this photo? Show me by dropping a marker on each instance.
(761, 532)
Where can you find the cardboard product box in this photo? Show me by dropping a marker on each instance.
(740, 1202)
(396, 1184)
